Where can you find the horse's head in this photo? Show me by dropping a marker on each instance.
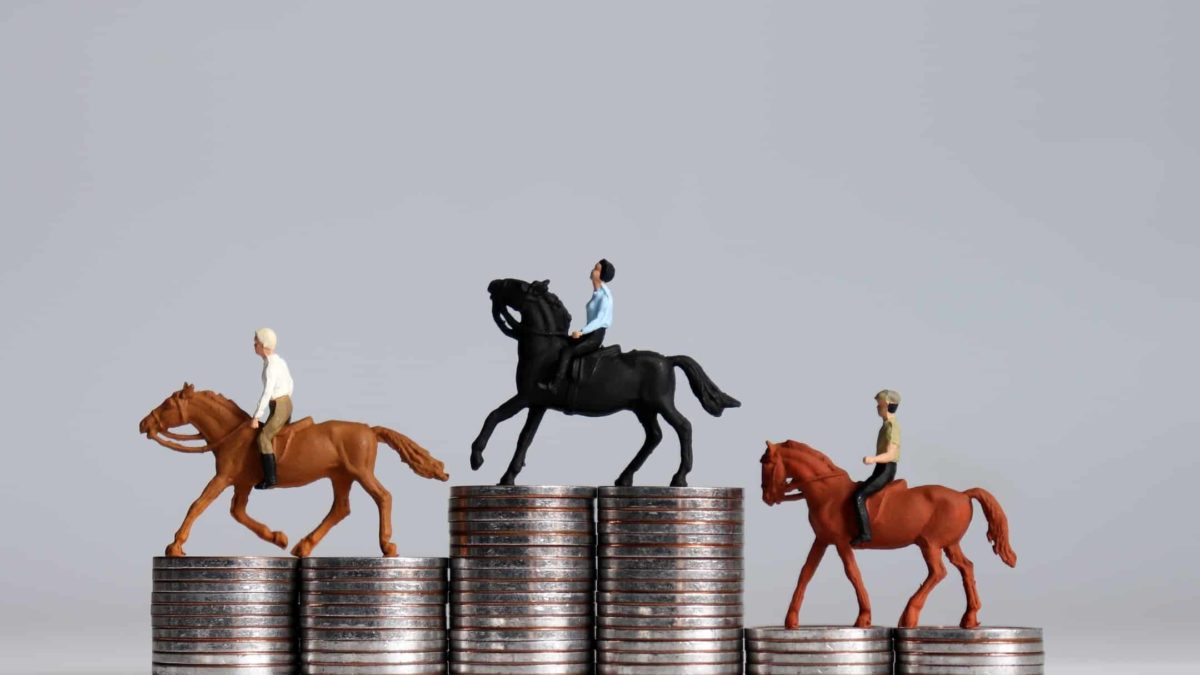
(508, 293)
(791, 466)
(171, 413)
(538, 308)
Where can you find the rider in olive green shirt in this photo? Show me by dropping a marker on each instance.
(887, 452)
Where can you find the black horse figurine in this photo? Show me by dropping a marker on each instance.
(603, 383)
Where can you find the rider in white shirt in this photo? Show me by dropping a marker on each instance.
(277, 396)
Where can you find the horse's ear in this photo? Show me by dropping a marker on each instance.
(188, 390)
(538, 287)
(545, 283)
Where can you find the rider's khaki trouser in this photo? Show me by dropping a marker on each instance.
(281, 412)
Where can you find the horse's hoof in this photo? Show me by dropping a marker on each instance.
(302, 549)
(908, 620)
(863, 621)
(507, 480)
(624, 481)
(476, 460)
(389, 550)
(792, 622)
(175, 551)
(969, 621)
(679, 481)
(279, 539)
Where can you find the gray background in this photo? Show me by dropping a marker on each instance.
(987, 206)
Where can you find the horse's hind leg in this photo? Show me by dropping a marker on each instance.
(383, 499)
(683, 428)
(649, 420)
(937, 572)
(337, 512)
(965, 567)
(211, 491)
(241, 496)
(532, 420)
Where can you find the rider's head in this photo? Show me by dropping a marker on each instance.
(604, 270)
(887, 400)
(264, 341)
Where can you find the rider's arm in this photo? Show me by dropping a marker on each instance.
(890, 455)
(268, 387)
(603, 316)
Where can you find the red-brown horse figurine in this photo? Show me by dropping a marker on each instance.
(343, 452)
(931, 517)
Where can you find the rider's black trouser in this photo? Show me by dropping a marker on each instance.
(882, 475)
(587, 344)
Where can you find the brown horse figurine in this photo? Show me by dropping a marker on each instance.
(343, 452)
(932, 517)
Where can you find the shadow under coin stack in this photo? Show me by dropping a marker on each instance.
(932, 650)
(819, 650)
(382, 616)
(224, 616)
(522, 579)
(670, 569)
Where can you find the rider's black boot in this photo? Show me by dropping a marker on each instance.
(864, 522)
(268, 481)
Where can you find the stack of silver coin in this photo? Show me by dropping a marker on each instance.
(224, 615)
(670, 569)
(383, 616)
(522, 579)
(819, 650)
(935, 650)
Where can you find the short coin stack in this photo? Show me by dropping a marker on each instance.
(224, 616)
(522, 579)
(934, 650)
(383, 616)
(819, 650)
(670, 569)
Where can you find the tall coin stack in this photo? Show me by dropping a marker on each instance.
(931, 650)
(224, 616)
(819, 650)
(522, 579)
(383, 616)
(670, 595)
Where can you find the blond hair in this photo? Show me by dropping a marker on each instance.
(266, 337)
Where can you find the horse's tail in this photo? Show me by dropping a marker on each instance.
(417, 458)
(997, 532)
(711, 397)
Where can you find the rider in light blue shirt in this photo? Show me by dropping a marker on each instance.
(599, 318)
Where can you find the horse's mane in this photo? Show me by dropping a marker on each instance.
(819, 456)
(220, 399)
(554, 311)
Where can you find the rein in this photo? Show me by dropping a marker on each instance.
(182, 403)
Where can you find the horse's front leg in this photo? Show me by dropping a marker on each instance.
(211, 491)
(532, 420)
(241, 496)
(815, 554)
(855, 577)
(506, 410)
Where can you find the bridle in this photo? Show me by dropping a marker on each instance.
(164, 430)
(500, 309)
(803, 483)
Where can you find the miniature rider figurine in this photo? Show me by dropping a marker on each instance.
(887, 453)
(277, 395)
(599, 318)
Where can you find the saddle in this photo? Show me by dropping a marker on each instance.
(877, 501)
(284, 437)
(582, 369)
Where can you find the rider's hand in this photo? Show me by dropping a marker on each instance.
(254, 423)
(577, 334)
(868, 460)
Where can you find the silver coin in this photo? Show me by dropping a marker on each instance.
(1019, 646)
(883, 657)
(680, 507)
(220, 634)
(196, 588)
(168, 669)
(436, 655)
(817, 634)
(522, 527)
(391, 669)
(520, 635)
(638, 516)
(531, 564)
(518, 504)
(726, 576)
(720, 528)
(659, 539)
(669, 669)
(691, 599)
(620, 565)
(269, 621)
(652, 646)
(845, 669)
(642, 610)
(524, 552)
(647, 586)
(233, 659)
(915, 669)
(380, 635)
(222, 598)
(540, 609)
(520, 646)
(372, 563)
(648, 622)
(956, 634)
(373, 623)
(378, 599)
(530, 622)
(278, 645)
(572, 491)
(576, 516)
(245, 562)
(682, 551)
(386, 585)
(204, 574)
(819, 647)
(581, 574)
(523, 586)
(514, 669)
(669, 635)
(641, 492)
(520, 598)
(582, 540)
(1031, 659)
(348, 574)
(216, 609)
(522, 659)
(678, 658)
(376, 611)
(309, 645)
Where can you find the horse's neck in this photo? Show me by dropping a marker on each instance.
(831, 484)
(214, 420)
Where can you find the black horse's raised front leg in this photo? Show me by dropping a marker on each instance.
(532, 420)
(506, 410)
